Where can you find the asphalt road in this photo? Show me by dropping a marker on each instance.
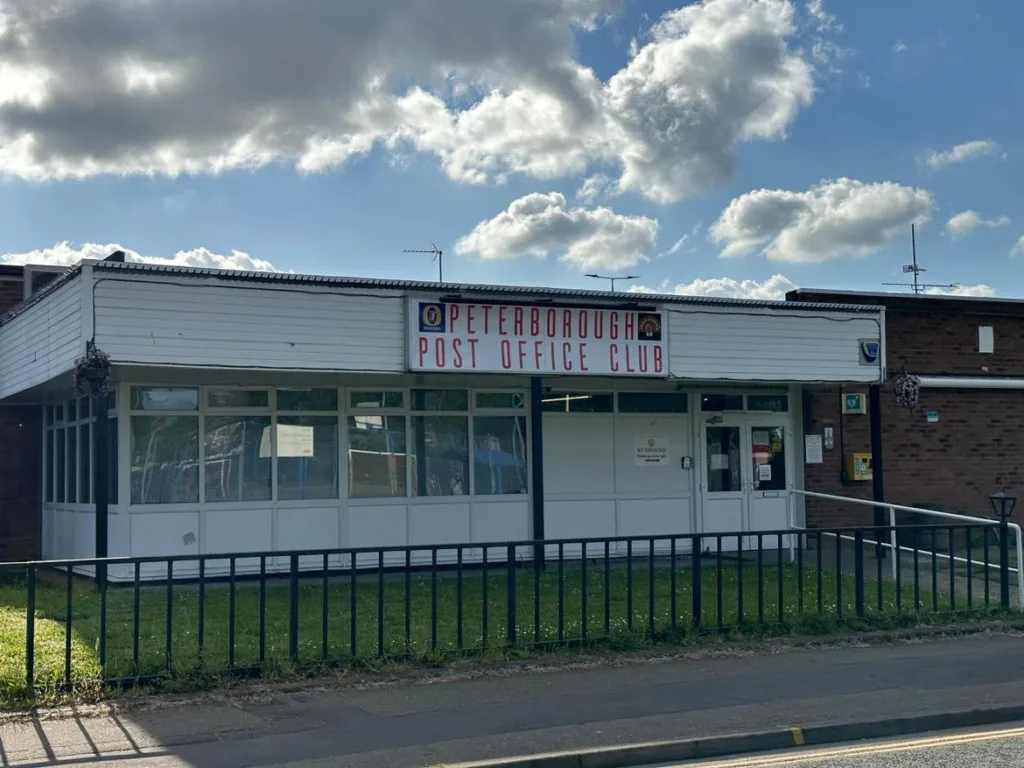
(970, 748)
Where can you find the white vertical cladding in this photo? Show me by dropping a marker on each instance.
(43, 341)
(762, 344)
(232, 324)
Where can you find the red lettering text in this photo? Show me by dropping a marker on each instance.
(629, 364)
(469, 319)
(630, 326)
(487, 317)
(613, 325)
(642, 359)
(522, 354)
(657, 359)
(506, 354)
(566, 362)
(439, 352)
(534, 322)
(613, 357)
(582, 330)
(599, 324)
(567, 324)
(453, 316)
(457, 353)
(423, 345)
(552, 323)
(472, 352)
(583, 357)
(501, 321)
(517, 321)
(538, 353)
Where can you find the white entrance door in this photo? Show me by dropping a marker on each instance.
(745, 477)
(725, 479)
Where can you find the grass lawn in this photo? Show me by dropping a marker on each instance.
(761, 609)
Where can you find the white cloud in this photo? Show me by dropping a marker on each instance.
(1018, 247)
(961, 153)
(773, 289)
(543, 224)
(843, 217)
(594, 188)
(65, 254)
(677, 245)
(899, 46)
(490, 88)
(965, 221)
(980, 291)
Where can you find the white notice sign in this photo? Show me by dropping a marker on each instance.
(293, 441)
(764, 472)
(812, 449)
(651, 450)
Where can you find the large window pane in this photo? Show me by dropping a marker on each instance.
(307, 457)
(73, 410)
(723, 460)
(440, 400)
(767, 402)
(307, 399)
(237, 398)
(72, 465)
(84, 456)
(165, 399)
(60, 462)
(577, 402)
(376, 399)
(441, 456)
(376, 457)
(513, 400)
(499, 454)
(721, 403)
(50, 439)
(164, 459)
(652, 402)
(238, 458)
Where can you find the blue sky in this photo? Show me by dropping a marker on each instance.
(891, 84)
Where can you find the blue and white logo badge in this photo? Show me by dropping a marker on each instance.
(432, 317)
(870, 350)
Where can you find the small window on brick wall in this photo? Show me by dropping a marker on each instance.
(986, 339)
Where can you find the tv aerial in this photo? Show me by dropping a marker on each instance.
(914, 269)
(438, 255)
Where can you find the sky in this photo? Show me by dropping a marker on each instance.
(725, 147)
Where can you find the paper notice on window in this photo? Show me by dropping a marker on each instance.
(764, 472)
(719, 462)
(812, 449)
(761, 437)
(293, 441)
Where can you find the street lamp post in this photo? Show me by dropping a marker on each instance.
(612, 279)
(1002, 505)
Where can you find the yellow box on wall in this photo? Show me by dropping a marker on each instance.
(858, 466)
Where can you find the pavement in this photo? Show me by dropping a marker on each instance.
(495, 713)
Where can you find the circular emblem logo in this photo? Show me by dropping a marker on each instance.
(432, 316)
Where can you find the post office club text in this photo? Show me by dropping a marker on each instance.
(512, 338)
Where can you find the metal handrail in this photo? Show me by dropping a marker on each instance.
(894, 546)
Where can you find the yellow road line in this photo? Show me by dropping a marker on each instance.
(902, 746)
(798, 736)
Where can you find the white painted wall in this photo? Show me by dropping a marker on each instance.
(237, 325)
(43, 341)
(742, 344)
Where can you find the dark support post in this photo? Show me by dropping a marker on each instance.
(537, 472)
(858, 573)
(1004, 562)
(101, 479)
(878, 481)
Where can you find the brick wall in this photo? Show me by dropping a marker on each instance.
(20, 482)
(10, 293)
(975, 448)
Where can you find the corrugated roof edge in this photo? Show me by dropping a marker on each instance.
(45, 291)
(428, 286)
(496, 290)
